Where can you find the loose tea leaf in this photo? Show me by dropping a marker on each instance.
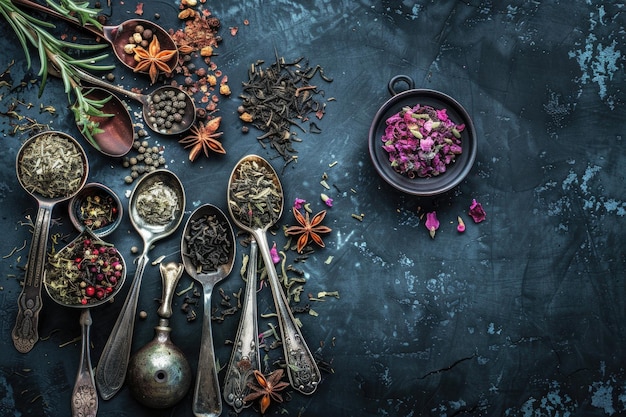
(51, 166)
(157, 204)
(207, 244)
(278, 97)
(255, 199)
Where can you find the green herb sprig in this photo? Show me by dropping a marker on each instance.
(54, 59)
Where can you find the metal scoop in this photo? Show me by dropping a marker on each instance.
(302, 370)
(206, 398)
(25, 333)
(151, 226)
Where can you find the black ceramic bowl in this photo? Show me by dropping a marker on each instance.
(455, 172)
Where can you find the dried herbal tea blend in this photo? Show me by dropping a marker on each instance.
(255, 198)
(85, 272)
(97, 210)
(279, 97)
(207, 244)
(157, 204)
(51, 166)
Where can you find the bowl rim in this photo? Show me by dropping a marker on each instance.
(434, 185)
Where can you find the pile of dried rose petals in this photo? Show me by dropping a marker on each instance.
(422, 141)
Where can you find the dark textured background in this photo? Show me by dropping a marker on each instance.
(522, 315)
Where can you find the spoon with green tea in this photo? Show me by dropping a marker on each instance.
(52, 167)
(156, 208)
(208, 251)
(255, 203)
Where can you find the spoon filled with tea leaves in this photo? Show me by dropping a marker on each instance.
(255, 203)
(208, 251)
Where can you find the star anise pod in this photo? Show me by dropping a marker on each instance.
(154, 59)
(204, 138)
(309, 229)
(266, 389)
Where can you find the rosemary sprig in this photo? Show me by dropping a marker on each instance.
(54, 58)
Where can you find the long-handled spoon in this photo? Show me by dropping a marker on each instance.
(84, 396)
(25, 333)
(116, 36)
(245, 356)
(255, 208)
(216, 239)
(156, 208)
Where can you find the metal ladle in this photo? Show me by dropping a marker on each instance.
(244, 358)
(302, 370)
(111, 369)
(25, 333)
(84, 396)
(206, 398)
(147, 102)
(116, 36)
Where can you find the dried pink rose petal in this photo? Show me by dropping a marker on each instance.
(432, 224)
(274, 254)
(476, 212)
(298, 203)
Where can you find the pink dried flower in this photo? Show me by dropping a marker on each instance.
(326, 199)
(476, 212)
(461, 226)
(274, 254)
(299, 203)
(432, 224)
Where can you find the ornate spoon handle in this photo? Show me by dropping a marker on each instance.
(84, 396)
(245, 356)
(302, 370)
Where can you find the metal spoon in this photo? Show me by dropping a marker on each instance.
(25, 333)
(148, 103)
(84, 396)
(302, 370)
(116, 36)
(245, 356)
(111, 369)
(206, 398)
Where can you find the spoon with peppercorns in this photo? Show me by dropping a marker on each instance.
(86, 273)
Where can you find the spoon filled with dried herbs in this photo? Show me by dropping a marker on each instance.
(255, 202)
(52, 167)
(88, 272)
(208, 251)
(156, 208)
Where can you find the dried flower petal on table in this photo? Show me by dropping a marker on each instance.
(476, 212)
(299, 203)
(266, 389)
(153, 60)
(461, 225)
(432, 224)
(309, 229)
(204, 138)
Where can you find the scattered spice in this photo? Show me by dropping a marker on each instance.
(206, 243)
(146, 158)
(51, 166)
(265, 389)
(432, 224)
(422, 141)
(86, 271)
(326, 199)
(476, 212)
(157, 204)
(255, 198)
(204, 138)
(279, 97)
(308, 229)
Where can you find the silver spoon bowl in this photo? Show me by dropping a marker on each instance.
(25, 333)
(302, 370)
(111, 369)
(206, 399)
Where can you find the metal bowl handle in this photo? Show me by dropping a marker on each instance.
(391, 86)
